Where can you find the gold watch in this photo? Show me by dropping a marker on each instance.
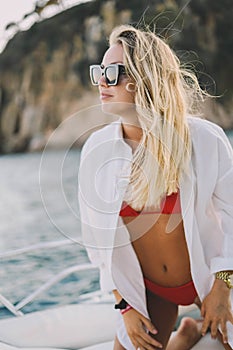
(226, 276)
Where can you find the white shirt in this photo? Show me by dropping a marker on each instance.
(206, 194)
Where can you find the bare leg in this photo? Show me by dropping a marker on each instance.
(117, 345)
(163, 315)
(187, 335)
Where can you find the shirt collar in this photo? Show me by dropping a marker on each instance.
(118, 135)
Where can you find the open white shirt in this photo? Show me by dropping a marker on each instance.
(206, 194)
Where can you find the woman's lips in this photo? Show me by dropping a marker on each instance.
(104, 96)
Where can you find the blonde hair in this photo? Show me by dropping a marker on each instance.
(165, 94)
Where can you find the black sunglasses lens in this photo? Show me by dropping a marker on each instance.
(95, 75)
(111, 75)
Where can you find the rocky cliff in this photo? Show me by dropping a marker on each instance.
(44, 71)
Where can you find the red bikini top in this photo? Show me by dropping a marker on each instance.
(169, 205)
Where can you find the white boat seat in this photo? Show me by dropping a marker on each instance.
(4, 346)
(76, 327)
(206, 343)
(68, 327)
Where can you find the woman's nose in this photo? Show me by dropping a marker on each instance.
(102, 81)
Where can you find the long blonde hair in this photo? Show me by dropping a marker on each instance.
(165, 94)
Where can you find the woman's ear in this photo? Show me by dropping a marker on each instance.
(131, 87)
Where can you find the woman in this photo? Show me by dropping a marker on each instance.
(156, 191)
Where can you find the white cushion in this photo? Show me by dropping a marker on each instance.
(9, 347)
(103, 346)
(206, 343)
(72, 327)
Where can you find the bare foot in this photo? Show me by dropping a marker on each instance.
(187, 335)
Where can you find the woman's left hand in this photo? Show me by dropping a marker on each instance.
(216, 310)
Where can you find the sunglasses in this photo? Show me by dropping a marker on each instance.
(111, 73)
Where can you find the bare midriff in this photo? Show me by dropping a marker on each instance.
(160, 245)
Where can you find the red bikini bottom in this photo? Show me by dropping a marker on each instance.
(181, 295)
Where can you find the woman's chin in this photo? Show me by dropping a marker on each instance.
(118, 108)
(111, 108)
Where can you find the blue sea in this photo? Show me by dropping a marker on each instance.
(38, 204)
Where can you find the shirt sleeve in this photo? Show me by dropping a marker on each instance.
(98, 256)
(223, 202)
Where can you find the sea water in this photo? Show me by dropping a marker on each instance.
(38, 204)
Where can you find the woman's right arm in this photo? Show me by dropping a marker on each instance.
(138, 327)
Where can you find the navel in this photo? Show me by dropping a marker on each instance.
(164, 268)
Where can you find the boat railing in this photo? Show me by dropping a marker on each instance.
(16, 309)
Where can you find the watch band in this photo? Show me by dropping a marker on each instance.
(225, 276)
(222, 275)
(121, 305)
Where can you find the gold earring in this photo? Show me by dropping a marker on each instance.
(133, 89)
